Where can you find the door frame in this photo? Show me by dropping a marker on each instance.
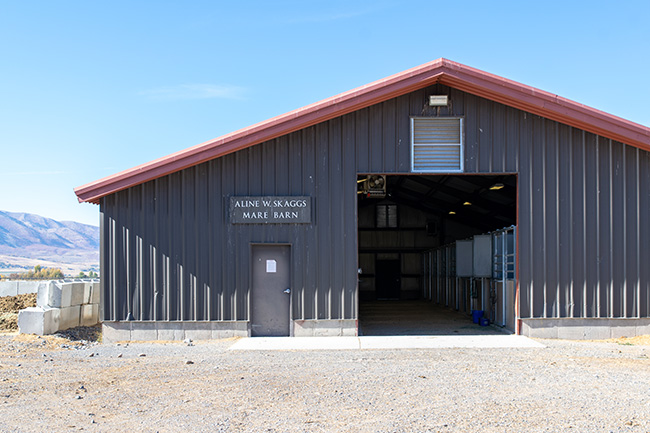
(250, 276)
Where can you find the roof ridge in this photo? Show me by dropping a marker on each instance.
(441, 70)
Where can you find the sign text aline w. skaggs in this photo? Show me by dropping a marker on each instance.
(270, 210)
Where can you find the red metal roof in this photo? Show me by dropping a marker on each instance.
(441, 71)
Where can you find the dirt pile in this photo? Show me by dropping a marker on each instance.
(9, 308)
(75, 338)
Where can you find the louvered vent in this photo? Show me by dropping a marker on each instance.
(386, 216)
(436, 144)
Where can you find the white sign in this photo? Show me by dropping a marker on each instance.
(271, 266)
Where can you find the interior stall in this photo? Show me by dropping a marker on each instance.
(474, 274)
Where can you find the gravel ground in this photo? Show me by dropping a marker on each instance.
(53, 384)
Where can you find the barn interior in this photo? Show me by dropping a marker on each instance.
(404, 223)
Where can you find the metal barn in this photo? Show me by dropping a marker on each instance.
(441, 184)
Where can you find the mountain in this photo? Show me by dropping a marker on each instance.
(36, 237)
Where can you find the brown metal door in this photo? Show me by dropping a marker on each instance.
(271, 292)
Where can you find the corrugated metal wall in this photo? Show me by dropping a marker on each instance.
(584, 210)
(173, 254)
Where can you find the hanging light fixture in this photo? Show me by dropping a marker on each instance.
(497, 186)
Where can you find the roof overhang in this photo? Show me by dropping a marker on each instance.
(441, 71)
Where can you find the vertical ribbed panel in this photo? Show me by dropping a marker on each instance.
(583, 201)
(174, 255)
(583, 235)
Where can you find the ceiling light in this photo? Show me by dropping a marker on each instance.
(467, 203)
(451, 212)
(497, 186)
(438, 100)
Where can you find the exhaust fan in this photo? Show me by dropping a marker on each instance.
(375, 186)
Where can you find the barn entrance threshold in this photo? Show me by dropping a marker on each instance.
(388, 325)
(382, 318)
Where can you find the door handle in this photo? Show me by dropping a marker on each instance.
(287, 291)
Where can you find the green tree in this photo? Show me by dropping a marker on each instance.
(39, 273)
(53, 274)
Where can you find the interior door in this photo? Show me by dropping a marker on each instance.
(387, 279)
(270, 291)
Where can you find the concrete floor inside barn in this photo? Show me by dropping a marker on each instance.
(385, 318)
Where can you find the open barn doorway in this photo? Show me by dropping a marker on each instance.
(408, 227)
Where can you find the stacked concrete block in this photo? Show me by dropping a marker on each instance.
(14, 288)
(60, 306)
(25, 287)
(89, 315)
(38, 320)
(69, 317)
(8, 288)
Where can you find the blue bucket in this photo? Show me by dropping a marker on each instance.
(476, 315)
(484, 321)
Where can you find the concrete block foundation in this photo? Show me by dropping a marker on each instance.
(167, 331)
(325, 328)
(174, 331)
(229, 329)
(143, 331)
(584, 329)
(198, 330)
(113, 332)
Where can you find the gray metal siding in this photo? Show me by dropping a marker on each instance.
(174, 255)
(583, 212)
(169, 252)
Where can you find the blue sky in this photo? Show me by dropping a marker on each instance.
(90, 88)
